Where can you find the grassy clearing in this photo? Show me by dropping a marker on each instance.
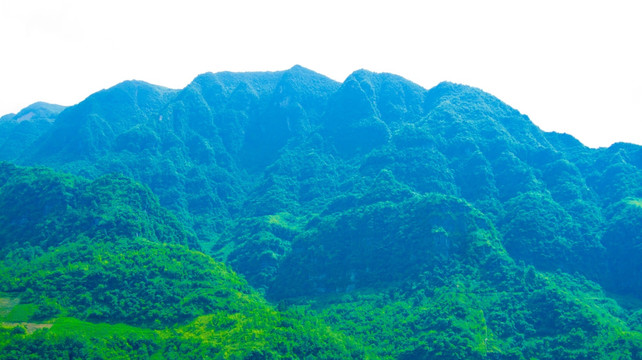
(6, 305)
(66, 325)
(29, 326)
(21, 313)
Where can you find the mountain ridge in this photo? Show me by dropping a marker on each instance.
(240, 129)
(375, 193)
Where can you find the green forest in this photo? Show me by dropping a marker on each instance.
(284, 215)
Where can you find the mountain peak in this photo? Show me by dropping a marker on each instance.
(381, 77)
(134, 86)
(301, 69)
(46, 106)
(305, 81)
(39, 111)
(452, 88)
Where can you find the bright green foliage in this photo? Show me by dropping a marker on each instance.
(134, 281)
(262, 333)
(108, 292)
(21, 313)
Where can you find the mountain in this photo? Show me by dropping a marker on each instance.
(103, 271)
(19, 131)
(376, 204)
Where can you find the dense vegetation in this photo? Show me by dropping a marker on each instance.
(414, 223)
(105, 272)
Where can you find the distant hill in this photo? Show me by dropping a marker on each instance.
(376, 194)
(19, 131)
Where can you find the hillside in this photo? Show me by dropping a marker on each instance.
(378, 205)
(97, 269)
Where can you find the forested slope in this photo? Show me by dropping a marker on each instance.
(97, 269)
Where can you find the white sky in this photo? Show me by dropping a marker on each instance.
(571, 66)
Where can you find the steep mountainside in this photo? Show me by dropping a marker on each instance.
(445, 208)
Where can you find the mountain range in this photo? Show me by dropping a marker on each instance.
(407, 223)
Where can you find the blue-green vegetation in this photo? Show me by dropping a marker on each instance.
(379, 220)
